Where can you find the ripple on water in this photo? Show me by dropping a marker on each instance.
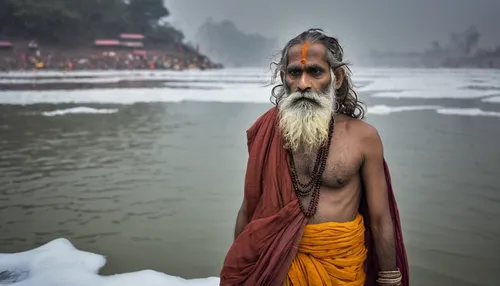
(97, 235)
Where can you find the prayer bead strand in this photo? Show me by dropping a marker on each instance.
(313, 186)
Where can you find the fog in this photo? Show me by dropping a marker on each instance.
(360, 25)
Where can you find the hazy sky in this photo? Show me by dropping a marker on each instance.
(359, 24)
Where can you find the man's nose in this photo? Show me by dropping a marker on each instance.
(304, 83)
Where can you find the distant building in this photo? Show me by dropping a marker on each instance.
(4, 45)
(134, 37)
(132, 40)
(107, 43)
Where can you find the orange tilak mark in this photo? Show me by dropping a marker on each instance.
(304, 52)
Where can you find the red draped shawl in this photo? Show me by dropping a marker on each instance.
(263, 252)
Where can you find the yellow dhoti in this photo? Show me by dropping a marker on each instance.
(330, 254)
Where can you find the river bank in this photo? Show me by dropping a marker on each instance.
(22, 57)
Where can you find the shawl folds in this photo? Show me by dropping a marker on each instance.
(265, 249)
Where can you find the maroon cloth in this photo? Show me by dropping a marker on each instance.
(263, 252)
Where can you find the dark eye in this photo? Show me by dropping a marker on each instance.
(294, 72)
(315, 71)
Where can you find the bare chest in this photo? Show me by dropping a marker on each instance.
(342, 164)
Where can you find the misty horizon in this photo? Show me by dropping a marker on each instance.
(361, 27)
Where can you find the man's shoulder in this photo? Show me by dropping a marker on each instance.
(361, 129)
(265, 119)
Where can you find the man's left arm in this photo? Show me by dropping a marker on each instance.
(374, 180)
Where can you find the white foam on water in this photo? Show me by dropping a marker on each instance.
(467, 112)
(60, 263)
(493, 99)
(389, 82)
(134, 95)
(436, 94)
(386, 110)
(210, 85)
(429, 83)
(385, 83)
(422, 82)
(115, 79)
(79, 110)
(194, 73)
(61, 80)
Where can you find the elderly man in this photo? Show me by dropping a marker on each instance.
(318, 204)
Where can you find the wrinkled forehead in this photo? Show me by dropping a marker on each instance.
(307, 53)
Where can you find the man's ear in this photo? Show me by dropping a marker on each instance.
(339, 76)
(282, 76)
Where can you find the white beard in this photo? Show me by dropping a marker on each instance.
(304, 125)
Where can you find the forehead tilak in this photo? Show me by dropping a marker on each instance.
(305, 47)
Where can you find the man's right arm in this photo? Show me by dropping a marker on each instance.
(241, 220)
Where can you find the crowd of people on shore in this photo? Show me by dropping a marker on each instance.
(103, 60)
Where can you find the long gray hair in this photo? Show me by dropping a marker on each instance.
(346, 98)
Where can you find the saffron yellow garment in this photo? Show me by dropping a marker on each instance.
(330, 254)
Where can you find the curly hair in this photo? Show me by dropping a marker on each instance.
(347, 101)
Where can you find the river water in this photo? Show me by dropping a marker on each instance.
(147, 168)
